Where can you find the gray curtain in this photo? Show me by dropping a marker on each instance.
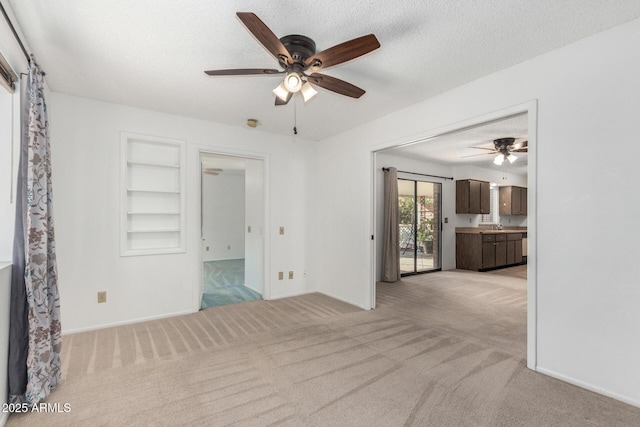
(391, 235)
(35, 333)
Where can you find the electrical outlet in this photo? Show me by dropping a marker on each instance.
(290, 275)
(229, 247)
(207, 248)
(280, 275)
(102, 296)
(281, 230)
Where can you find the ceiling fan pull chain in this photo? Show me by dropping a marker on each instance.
(295, 118)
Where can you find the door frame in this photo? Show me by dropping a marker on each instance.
(198, 286)
(531, 109)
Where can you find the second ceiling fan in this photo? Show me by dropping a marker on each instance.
(297, 55)
(504, 148)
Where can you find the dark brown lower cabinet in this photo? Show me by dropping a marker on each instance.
(494, 250)
(514, 248)
(486, 250)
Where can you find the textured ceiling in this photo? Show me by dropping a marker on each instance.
(152, 54)
(457, 148)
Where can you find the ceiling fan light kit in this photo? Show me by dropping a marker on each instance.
(293, 82)
(308, 91)
(504, 148)
(295, 55)
(281, 92)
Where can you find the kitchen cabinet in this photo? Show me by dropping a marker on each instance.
(483, 251)
(472, 197)
(514, 248)
(494, 250)
(512, 200)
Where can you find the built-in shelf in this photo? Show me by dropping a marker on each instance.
(156, 230)
(138, 190)
(153, 213)
(152, 195)
(152, 164)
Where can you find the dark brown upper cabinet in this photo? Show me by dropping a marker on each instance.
(472, 197)
(513, 200)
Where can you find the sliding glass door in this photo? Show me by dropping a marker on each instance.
(420, 218)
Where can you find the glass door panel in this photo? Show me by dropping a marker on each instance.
(420, 218)
(407, 206)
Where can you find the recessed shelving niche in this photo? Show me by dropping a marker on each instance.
(152, 195)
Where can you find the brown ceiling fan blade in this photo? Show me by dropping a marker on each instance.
(265, 36)
(481, 154)
(281, 102)
(343, 52)
(242, 72)
(336, 85)
(521, 147)
(482, 148)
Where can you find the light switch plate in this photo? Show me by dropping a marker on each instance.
(281, 230)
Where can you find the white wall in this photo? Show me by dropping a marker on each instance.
(9, 146)
(586, 212)
(85, 138)
(223, 213)
(254, 218)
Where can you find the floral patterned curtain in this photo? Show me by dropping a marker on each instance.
(35, 335)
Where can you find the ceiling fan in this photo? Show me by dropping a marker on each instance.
(504, 148)
(296, 55)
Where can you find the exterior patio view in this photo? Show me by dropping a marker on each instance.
(420, 216)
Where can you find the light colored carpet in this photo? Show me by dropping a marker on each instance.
(519, 271)
(224, 284)
(442, 349)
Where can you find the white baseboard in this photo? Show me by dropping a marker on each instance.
(589, 387)
(127, 322)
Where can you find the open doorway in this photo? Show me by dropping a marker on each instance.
(232, 221)
(466, 151)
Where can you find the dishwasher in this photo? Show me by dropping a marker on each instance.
(524, 247)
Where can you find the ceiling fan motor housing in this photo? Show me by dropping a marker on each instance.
(300, 48)
(503, 144)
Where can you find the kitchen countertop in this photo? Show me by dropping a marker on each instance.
(482, 230)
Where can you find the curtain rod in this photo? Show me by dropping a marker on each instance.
(423, 174)
(15, 34)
